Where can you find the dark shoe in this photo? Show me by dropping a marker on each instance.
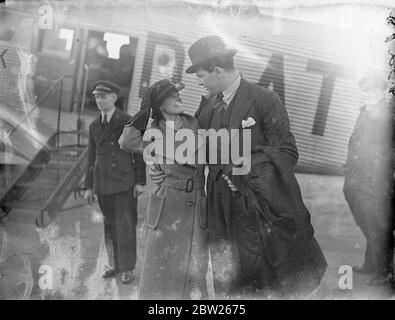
(3, 216)
(379, 280)
(109, 273)
(127, 277)
(363, 269)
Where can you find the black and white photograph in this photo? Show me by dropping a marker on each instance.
(197, 150)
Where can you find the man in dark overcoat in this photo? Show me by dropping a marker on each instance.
(117, 178)
(258, 223)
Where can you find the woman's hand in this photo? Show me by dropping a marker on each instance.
(137, 190)
(156, 174)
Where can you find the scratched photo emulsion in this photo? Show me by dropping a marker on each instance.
(197, 150)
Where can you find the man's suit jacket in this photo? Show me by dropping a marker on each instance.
(273, 156)
(265, 107)
(110, 169)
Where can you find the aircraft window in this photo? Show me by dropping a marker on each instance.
(114, 43)
(58, 42)
(8, 26)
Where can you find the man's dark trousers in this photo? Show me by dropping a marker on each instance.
(120, 219)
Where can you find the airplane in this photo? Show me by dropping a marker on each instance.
(314, 68)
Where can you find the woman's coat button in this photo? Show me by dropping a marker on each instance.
(191, 203)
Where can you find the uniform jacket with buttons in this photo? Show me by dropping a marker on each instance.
(110, 169)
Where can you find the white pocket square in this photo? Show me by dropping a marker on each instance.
(247, 123)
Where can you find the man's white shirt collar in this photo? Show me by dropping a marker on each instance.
(109, 115)
(230, 91)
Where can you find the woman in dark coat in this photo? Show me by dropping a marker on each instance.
(176, 253)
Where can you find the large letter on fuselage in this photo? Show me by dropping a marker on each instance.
(173, 43)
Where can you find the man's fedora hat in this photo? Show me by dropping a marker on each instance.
(206, 49)
(105, 87)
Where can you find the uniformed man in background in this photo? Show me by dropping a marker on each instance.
(117, 178)
(369, 173)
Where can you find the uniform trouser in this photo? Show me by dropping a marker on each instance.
(235, 244)
(120, 219)
(376, 223)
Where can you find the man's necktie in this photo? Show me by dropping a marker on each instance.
(216, 123)
(105, 121)
(220, 106)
